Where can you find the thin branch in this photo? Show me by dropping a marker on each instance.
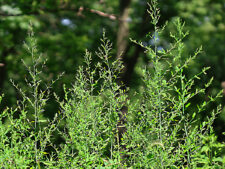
(110, 16)
(100, 13)
(79, 13)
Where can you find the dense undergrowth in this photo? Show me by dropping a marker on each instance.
(100, 126)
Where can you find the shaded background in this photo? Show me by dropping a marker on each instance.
(65, 28)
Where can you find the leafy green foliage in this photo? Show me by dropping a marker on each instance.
(100, 126)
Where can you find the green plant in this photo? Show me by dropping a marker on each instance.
(26, 134)
(166, 133)
(92, 109)
(159, 130)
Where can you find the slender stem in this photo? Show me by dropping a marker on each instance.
(158, 73)
(183, 109)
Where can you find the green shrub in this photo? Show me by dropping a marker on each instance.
(101, 127)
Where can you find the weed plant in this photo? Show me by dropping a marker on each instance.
(159, 130)
(25, 133)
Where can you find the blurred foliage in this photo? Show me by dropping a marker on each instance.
(65, 28)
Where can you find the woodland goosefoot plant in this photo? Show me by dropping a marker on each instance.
(26, 133)
(163, 131)
(160, 129)
(92, 112)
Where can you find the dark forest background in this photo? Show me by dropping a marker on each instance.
(65, 28)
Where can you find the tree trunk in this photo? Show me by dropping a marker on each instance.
(123, 28)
